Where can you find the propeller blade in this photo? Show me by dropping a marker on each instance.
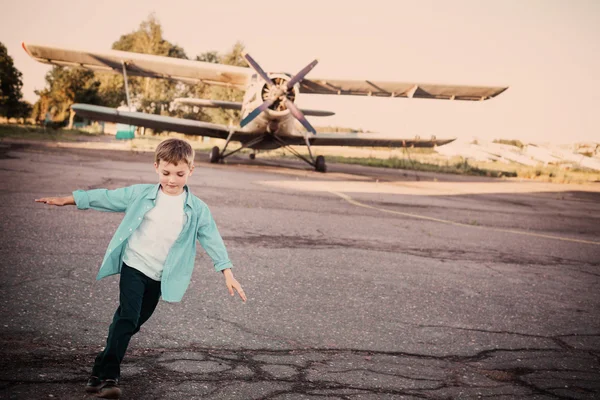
(258, 69)
(300, 75)
(299, 116)
(256, 112)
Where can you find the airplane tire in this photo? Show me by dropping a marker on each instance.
(320, 165)
(252, 156)
(214, 155)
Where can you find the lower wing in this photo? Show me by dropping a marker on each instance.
(373, 140)
(232, 105)
(157, 122)
(191, 127)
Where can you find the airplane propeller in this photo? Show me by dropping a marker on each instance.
(279, 92)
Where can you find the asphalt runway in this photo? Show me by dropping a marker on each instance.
(362, 283)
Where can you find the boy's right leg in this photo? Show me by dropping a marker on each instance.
(149, 303)
(132, 286)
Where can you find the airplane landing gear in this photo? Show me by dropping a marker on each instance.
(320, 165)
(215, 155)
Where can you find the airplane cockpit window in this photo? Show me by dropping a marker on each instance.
(253, 78)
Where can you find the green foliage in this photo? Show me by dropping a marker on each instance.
(235, 56)
(516, 143)
(202, 90)
(64, 87)
(149, 95)
(31, 132)
(11, 84)
(462, 167)
(208, 56)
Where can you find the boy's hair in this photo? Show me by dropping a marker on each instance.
(174, 151)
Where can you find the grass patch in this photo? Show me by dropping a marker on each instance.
(421, 159)
(33, 132)
(461, 167)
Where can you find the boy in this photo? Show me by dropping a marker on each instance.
(153, 249)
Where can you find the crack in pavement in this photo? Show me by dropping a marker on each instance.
(243, 328)
(216, 373)
(556, 338)
(450, 254)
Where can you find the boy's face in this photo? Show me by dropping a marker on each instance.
(172, 178)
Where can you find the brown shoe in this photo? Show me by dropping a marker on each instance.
(109, 389)
(93, 384)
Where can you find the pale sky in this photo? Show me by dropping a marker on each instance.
(546, 51)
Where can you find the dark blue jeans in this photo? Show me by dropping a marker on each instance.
(138, 297)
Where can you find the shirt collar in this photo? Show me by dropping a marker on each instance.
(154, 193)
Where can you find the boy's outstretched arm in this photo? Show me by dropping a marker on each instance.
(232, 283)
(209, 237)
(57, 201)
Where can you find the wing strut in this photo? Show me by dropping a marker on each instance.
(231, 132)
(308, 147)
(318, 163)
(126, 85)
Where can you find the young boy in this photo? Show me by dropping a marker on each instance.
(153, 249)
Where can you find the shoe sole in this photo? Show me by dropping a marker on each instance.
(111, 393)
(92, 389)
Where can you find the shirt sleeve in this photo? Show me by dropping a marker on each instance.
(115, 200)
(211, 241)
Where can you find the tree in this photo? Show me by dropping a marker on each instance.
(202, 90)
(149, 94)
(64, 87)
(11, 96)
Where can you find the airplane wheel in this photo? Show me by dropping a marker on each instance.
(320, 164)
(214, 155)
(252, 156)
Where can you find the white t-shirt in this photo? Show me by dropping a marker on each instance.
(148, 247)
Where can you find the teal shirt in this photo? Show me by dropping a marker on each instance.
(135, 201)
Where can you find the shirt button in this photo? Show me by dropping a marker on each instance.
(121, 239)
(140, 218)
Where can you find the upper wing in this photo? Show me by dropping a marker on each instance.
(372, 140)
(398, 89)
(153, 121)
(143, 65)
(219, 74)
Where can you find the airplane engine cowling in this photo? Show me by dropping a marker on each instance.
(279, 108)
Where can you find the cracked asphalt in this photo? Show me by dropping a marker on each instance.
(362, 283)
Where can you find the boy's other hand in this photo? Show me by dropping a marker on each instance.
(232, 284)
(57, 201)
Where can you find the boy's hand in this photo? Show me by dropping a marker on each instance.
(232, 283)
(57, 201)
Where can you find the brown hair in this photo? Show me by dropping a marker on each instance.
(174, 151)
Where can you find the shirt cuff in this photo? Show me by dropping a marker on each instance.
(221, 265)
(82, 199)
